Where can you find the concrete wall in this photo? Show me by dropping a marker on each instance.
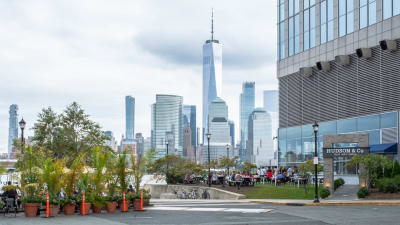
(156, 190)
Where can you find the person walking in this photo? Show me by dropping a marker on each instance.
(238, 180)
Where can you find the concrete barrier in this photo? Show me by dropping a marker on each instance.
(184, 191)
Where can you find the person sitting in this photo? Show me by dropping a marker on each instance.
(214, 178)
(10, 194)
(269, 175)
(187, 179)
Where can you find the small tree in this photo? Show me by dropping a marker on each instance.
(52, 177)
(227, 163)
(122, 172)
(138, 170)
(248, 167)
(307, 168)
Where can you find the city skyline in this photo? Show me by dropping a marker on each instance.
(122, 57)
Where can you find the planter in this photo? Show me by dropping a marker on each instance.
(97, 208)
(54, 210)
(121, 206)
(136, 204)
(69, 209)
(30, 209)
(111, 207)
(87, 208)
(146, 202)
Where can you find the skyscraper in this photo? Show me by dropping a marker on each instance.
(167, 124)
(188, 148)
(130, 117)
(212, 73)
(232, 131)
(140, 144)
(247, 102)
(13, 127)
(189, 119)
(260, 144)
(111, 142)
(271, 106)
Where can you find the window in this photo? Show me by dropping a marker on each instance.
(367, 13)
(389, 120)
(368, 123)
(327, 128)
(307, 130)
(326, 21)
(294, 132)
(294, 29)
(346, 126)
(281, 30)
(346, 17)
(390, 8)
(309, 24)
(282, 133)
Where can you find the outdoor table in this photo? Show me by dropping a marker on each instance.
(221, 179)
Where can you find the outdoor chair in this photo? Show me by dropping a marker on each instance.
(10, 207)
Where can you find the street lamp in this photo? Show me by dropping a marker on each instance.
(167, 143)
(22, 126)
(315, 128)
(209, 170)
(227, 155)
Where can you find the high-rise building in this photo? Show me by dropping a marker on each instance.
(188, 148)
(212, 74)
(130, 117)
(219, 130)
(247, 103)
(232, 131)
(337, 65)
(167, 124)
(260, 144)
(189, 119)
(140, 144)
(12, 127)
(271, 105)
(111, 140)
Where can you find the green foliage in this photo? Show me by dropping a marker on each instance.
(32, 199)
(248, 167)
(68, 134)
(307, 168)
(27, 165)
(373, 164)
(337, 183)
(52, 176)
(228, 163)
(111, 180)
(396, 168)
(99, 200)
(138, 169)
(68, 200)
(387, 185)
(362, 192)
(72, 176)
(122, 172)
(97, 177)
(324, 192)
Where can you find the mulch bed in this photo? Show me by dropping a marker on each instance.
(383, 196)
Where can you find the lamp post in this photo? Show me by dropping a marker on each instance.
(209, 170)
(315, 128)
(22, 126)
(167, 143)
(227, 155)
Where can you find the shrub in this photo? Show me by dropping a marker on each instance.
(337, 183)
(388, 185)
(32, 199)
(396, 169)
(362, 192)
(324, 192)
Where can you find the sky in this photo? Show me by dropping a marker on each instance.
(96, 52)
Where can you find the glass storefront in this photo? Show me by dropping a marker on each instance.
(296, 144)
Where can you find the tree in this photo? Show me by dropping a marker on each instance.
(138, 170)
(122, 172)
(307, 168)
(228, 163)
(247, 167)
(68, 134)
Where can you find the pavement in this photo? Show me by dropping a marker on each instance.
(219, 212)
(346, 192)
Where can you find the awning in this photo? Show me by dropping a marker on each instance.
(384, 148)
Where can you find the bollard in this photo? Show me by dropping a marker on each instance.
(83, 203)
(47, 206)
(141, 200)
(123, 202)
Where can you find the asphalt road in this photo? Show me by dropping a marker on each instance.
(229, 213)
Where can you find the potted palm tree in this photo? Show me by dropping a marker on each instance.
(84, 188)
(111, 183)
(122, 178)
(98, 179)
(70, 184)
(52, 178)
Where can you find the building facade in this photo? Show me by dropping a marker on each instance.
(167, 124)
(188, 148)
(12, 127)
(247, 104)
(111, 142)
(129, 117)
(232, 131)
(260, 143)
(140, 144)
(271, 106)
(338, 65)
(189, 119)
(212, 74)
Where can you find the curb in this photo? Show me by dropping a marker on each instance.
(329, 203)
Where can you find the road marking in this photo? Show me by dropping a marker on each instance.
(209, 209)
(201, 204)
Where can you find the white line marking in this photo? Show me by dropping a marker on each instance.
(209, 209)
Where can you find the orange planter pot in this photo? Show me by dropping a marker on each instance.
(69, 209)
(111, 207)
(54, 210)
(87, 208)
(97, 209)
(136, 204)
(30, 209)
(121, 206)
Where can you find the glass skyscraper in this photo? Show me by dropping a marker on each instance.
(130, 117)
(247, 102)
(271, 106)
(189, 119)
(13, 127)
(212, 74)
(260, 144)
(167, 123)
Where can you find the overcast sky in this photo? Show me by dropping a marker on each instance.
(96, 52)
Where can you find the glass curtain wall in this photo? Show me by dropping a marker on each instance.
(390, 8)
(327, 21)
(346, 17)
(294, 27)
(309, 25)
(281, 28)
(367, 13)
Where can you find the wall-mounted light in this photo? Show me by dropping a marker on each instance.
(306, 71)
(324, 66)
(364, 53)
(389, 45)
(343, 60)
